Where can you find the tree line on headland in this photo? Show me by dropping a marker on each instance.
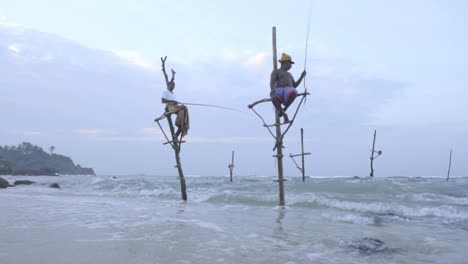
(28, 159)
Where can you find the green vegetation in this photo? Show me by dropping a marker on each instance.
(5, 167)
(28, 159)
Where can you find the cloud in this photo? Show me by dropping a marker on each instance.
(150, 131)
(137, 59)
(114, 105)
(426, 106)
(252, 60)
(323, 49)
(92, 131)
(128, 135)
(258, 60)
(15, 48)
(125, 138)
(201, 139)
(8, 24)
(31, 133)
(47, 57)
(4, 21)
(234, 79)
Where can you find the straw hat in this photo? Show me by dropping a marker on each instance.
(285, 57)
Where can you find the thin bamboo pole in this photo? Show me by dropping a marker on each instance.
(297, 155)
(295, 163)
(303, 154)
(302, 148)
(450, 165)
(231, 166)
(372, 156)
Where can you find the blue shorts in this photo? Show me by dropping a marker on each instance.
(283, 93)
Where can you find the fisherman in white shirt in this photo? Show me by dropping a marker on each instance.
(182, 121)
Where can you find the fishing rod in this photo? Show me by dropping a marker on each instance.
(307, 44)
(307, 35)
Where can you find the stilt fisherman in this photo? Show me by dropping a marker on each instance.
(182, 122)
(283, 86)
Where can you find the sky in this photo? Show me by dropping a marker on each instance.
(85, 77)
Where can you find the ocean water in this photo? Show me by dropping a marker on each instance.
(141, 219)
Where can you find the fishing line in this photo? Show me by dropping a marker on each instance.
(216, 106)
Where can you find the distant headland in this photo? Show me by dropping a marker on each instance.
(28, 159)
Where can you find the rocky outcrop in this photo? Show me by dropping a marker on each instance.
(23, 182)
(4, 183)
(54, 185)
(78, 170)
(369, 246)
(36, 172)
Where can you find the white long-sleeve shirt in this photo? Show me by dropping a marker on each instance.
(168, 95)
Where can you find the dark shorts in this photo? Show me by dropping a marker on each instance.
(283, 93)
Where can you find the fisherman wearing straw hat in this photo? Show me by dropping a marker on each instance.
(283, 86)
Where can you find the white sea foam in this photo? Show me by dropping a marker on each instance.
(141, 219)
(351, 218)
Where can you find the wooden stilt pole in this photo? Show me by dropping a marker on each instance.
(279, 136)
(176, 145)
(372, 156)
(450, 165)
(302, 168)
(302, 150)
(279, 149)
(231, 166)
